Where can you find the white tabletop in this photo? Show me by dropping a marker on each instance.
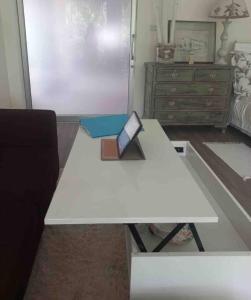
(157, 190)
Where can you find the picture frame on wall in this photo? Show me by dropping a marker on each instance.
(195, 41)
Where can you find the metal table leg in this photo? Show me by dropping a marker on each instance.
(137, 237)
(196, 237)
(167, 239)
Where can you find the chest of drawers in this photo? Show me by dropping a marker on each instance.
(178, 94)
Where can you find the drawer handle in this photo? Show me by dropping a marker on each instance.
(171, 103)
(170, 117)
(173, 90)
(212, 75)
(211, 89)
(174, 75)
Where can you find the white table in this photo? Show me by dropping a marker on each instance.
(157, 190)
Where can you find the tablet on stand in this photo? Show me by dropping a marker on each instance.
(126, 146)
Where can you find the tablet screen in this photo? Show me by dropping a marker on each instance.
(130, 130)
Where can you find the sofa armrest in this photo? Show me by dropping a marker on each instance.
(28, 128)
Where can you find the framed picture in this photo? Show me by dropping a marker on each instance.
(196, 40)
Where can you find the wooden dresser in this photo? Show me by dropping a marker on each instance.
(182, 94)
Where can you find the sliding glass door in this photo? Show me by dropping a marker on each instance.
(78, 55)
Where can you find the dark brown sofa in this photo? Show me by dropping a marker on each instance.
(29, 167)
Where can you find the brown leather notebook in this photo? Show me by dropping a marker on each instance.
(109, 149)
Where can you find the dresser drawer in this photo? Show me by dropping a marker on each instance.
(189, 103)
(183, 117)
(212, 75)
(196, 89)
(174, 75)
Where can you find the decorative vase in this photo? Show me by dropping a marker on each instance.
(165, 53)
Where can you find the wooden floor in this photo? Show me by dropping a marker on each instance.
(196, 135)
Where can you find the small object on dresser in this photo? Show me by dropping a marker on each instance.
(191, 60)
(165, 53)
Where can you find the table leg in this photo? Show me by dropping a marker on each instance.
(137, 237)
(196, 237)
(168, 238)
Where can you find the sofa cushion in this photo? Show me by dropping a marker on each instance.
(20, 230)
(28, 128)
(29, 169)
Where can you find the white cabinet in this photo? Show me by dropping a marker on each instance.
(181, 272)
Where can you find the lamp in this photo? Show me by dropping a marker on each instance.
(227, 9)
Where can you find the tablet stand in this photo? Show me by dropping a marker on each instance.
(133, 151)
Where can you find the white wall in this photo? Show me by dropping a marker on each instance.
(145, 41)
(11, 76)
(4, 85)
(198, 10)
(189, 10)
(13, 61)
